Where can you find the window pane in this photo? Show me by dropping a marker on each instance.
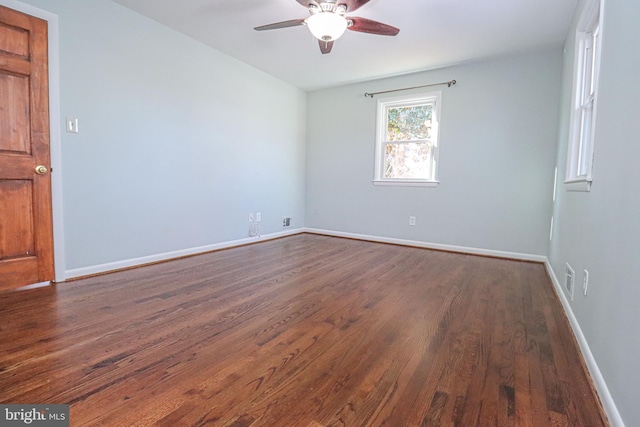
(585, 141)
(409, 123)
(408, 160)
(587, 68)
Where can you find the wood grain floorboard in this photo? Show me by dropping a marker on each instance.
(309, 331)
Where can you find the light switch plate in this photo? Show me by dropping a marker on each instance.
(72, 124)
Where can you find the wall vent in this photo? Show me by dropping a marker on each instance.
(286, 222)
(569, 280)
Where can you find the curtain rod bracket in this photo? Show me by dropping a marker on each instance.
(449, 84)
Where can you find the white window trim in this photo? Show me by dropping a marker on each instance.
(590, 21)
(405, 183)
(418, 98)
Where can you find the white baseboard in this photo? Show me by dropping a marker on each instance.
(427, 245)
(133, 262)
(603, 391)
(128, 263)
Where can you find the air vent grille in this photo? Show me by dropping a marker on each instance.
(569, 280)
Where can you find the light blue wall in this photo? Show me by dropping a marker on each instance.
(497, 151)
(177, 142)
(600, 230)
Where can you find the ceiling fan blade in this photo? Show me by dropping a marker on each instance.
(351, 4)
(325, 47)
(284, 24)
(370, 26)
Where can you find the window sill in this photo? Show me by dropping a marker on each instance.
(406, 183)
(578, 185)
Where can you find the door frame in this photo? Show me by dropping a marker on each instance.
(54, 129)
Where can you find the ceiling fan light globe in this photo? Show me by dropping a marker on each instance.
(327, 26)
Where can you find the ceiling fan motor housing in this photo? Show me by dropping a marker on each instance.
(328, 22)
(327, 26)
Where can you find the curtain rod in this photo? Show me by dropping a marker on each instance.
(449, 84)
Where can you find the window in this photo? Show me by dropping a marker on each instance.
(583, 114)
(407, 140)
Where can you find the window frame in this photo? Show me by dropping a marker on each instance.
(383, 104)
(586, 71)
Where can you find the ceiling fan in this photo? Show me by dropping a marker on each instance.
(328, 22)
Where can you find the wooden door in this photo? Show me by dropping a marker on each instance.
(26, 238)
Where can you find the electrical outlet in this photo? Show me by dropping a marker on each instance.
(585, 282)
(254, 229)
(250, 217)
(286, 222)
(412, 220)
(258, 217)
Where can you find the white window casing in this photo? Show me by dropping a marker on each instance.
(584, 105)
(420, 169)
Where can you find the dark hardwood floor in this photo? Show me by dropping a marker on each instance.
(303, 331)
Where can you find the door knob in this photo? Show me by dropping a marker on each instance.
(41, 169)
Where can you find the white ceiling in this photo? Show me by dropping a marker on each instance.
(433, 33)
